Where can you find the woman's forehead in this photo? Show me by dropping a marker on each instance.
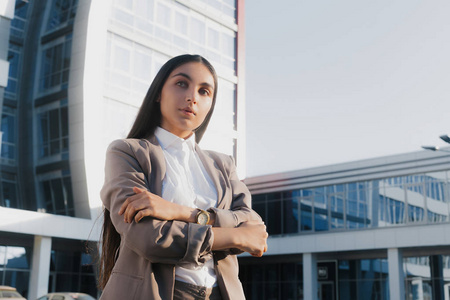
(195, 71)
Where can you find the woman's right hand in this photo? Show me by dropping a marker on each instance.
(252, 237)
(146, 204)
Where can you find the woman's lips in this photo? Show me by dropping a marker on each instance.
(188, 111)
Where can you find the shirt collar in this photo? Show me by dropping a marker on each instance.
(167, 139)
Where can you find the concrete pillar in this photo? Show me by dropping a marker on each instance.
(437, 276)
(40, 268)
(310, 286)
(396, 275)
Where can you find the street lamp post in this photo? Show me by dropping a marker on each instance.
(443, 137)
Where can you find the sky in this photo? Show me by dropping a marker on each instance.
(332, 81)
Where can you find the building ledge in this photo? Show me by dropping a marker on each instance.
(37, 223)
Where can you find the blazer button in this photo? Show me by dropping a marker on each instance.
(202, 293)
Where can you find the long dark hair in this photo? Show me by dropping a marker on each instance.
(148, 118)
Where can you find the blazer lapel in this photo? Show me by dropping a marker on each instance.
(213, 172)
(158, 164)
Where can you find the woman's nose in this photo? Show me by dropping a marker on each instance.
(191, 97)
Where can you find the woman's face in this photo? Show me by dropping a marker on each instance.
(186, 98)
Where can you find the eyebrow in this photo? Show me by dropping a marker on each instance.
(189, 78)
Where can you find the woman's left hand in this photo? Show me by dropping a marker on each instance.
(146, 204)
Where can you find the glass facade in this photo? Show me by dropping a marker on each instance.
(15, 264)
(72, 269)
(426, 277)
(35, 117)
(284, 280)
(403, 200)
(414, 199)
(363, 279)
(272, 280)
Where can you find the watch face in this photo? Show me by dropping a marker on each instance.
(202, 219)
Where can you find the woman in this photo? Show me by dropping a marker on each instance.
(175, 215)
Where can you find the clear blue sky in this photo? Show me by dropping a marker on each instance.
(335, 81)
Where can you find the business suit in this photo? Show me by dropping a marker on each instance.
(149, 250)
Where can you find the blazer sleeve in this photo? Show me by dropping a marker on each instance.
(169, 242)
(241, 200)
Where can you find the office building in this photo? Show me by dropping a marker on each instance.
(370, 229)
(72, 77)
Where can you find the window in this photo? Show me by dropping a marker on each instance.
(18, 23)
(144, 9)
(62, 13)
(395, 211)
(224, 111)
(306, 204)
(197, 32)
(57, 196)
(363, 279)
(8, 128)
(163, 15)
(15, 267)
(72, 266)
(213, 38)
(357, 205)
(9, 191)
(53, 132)
(55, 66)
(336, 201)
(13, 58)
(290, 206)
(274, 209)
(416, 214)
(282, 280)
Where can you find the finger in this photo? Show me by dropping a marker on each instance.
(129, 205)
(129, 200)
(138, 190)
(135, 197)
(135, 207)
(257, 254)
(129, 212)
(141, 214)
(123, 207)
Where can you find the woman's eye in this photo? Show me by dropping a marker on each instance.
(181, 83)
(204, 92)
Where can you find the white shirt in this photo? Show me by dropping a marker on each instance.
(187, 183)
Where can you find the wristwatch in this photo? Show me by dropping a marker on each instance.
(202, 217)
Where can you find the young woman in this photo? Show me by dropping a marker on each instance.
(175, 215)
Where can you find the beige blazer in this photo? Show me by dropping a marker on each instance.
(150, 249)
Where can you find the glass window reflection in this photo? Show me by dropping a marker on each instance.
(419, 198)
(290, 214)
